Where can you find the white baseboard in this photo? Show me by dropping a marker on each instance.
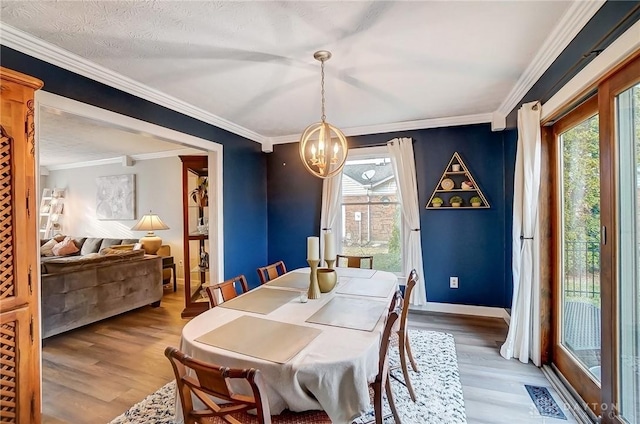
(452, 308)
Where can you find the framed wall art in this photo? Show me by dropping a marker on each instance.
(116, 197)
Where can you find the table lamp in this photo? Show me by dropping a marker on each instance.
(150, 222)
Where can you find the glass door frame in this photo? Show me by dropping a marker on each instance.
(572, 370)
(605, 401)
(623, 79)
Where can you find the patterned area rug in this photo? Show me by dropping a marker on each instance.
(437, 386)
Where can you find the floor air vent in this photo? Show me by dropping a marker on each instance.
(544, 402)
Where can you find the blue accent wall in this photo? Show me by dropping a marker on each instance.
(244, 164)
(470, 244)
(295, 197)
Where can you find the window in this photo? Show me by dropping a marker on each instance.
(370, 209)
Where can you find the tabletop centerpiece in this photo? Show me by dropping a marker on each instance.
(313, 258)
(327, 277)
(329, 250)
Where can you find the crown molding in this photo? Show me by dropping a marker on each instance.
(118, 159)
(50, 53)
(573, 20)
(617, 52)
(86, 164)
(451, 121)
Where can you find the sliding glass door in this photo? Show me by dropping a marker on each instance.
(628, 139)
(596, 285)
(620, 107)
(578, 306)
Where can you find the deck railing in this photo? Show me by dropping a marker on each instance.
(582, 269)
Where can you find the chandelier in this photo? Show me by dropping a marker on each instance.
(323, 147)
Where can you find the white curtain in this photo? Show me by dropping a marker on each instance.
(404, 167)
(330, 211)
(523, 339)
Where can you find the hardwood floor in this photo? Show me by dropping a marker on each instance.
(493, 387)
(95, 373)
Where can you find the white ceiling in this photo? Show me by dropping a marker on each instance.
(67, 139)
(251, 63)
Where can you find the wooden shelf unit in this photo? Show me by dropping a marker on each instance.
(458, 177)
(193, 241)
(51, 212)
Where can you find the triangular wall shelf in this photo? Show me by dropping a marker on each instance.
(455, 182)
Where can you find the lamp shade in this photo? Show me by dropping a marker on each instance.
(150, 222)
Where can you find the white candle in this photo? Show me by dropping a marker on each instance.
(329, 247)
(313, 248)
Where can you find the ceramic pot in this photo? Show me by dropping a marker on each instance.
(327, 279)
(436, 205)
(455, 205)
(455, 167)
(476, 205)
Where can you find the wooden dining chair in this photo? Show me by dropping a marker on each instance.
(381, 382)
(213, 380)
(396, 302)
(269, 272)
(228, 289)
(205, 380)
(351, 261)
(401, 337)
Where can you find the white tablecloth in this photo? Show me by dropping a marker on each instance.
(330, 374)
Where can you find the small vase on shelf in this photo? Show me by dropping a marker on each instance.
(204, 259)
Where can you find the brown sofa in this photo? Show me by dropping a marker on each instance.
(82, 289)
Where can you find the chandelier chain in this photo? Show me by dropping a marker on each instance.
(323, 117)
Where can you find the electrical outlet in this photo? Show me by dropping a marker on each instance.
(453, 282)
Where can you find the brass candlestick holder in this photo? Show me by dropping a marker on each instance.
(314, 289)
(330, 263)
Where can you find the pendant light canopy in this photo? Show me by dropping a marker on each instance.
(323, 147)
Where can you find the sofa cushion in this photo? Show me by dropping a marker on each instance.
(79, 241)
(75, 263)
(90, 245)
(65, 247)
(120, 251)
(108, 242)
(47, 248)
(130, 241)
(126, 254)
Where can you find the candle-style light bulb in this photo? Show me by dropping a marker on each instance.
(335, 150)
(313, 151)
(321, 142)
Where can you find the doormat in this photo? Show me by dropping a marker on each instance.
(544, 402)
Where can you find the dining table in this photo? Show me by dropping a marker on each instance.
(314, 354)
